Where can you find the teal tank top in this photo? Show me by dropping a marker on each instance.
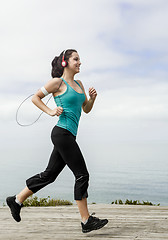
(71, 102)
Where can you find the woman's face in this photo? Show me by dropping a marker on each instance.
(74, 62)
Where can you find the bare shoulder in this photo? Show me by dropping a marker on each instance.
(56, 80)
(53, 84)
(79, 81)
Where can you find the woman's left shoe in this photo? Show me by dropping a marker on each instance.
(14, 207)
(93, 223)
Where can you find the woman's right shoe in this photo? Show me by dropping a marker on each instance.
(93, 223)
(14, 207)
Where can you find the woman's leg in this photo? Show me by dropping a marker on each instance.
(55, 166)
(25, 193)
(83, 209)
(35, 183)
(72, 156)
(38, 181)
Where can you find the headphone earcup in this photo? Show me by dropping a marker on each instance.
(64, 63)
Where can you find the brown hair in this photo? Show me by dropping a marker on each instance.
(57, 68)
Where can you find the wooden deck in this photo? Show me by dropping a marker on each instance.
(125, 222)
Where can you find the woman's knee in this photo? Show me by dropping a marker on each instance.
(48, 176)
(82, 177)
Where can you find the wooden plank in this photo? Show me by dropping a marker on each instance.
(63, 222)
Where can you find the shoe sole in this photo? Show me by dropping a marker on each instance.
(96, 228)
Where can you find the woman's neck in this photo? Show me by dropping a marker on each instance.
(68, 76)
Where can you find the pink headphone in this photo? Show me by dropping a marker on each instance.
(64, 63)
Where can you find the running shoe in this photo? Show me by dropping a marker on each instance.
(14, 207)
(93, 223)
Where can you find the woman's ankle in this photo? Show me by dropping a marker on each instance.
(17, 200)
(84, 219)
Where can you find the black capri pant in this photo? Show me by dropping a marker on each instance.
(66, 151)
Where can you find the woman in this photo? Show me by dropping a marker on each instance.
(70, 98)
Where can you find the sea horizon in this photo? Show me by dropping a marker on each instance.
(105, 185)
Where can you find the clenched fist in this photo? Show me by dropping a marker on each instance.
(92, 93)
(56, 111)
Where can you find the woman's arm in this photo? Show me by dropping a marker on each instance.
(88, 104)
(51, 87)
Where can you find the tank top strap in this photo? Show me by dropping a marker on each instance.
(78, 84)
(64, 80)
(68, 84)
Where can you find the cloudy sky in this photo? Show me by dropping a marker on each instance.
(123, 49)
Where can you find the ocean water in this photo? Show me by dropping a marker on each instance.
(126, 171)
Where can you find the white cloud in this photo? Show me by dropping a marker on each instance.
(144, 26)
(33, 32)
(132, 103)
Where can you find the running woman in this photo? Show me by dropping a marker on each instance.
(70, 98)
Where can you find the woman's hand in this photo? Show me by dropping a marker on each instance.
(56, 111)
(92, 93)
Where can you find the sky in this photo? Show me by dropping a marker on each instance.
(123, 49)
